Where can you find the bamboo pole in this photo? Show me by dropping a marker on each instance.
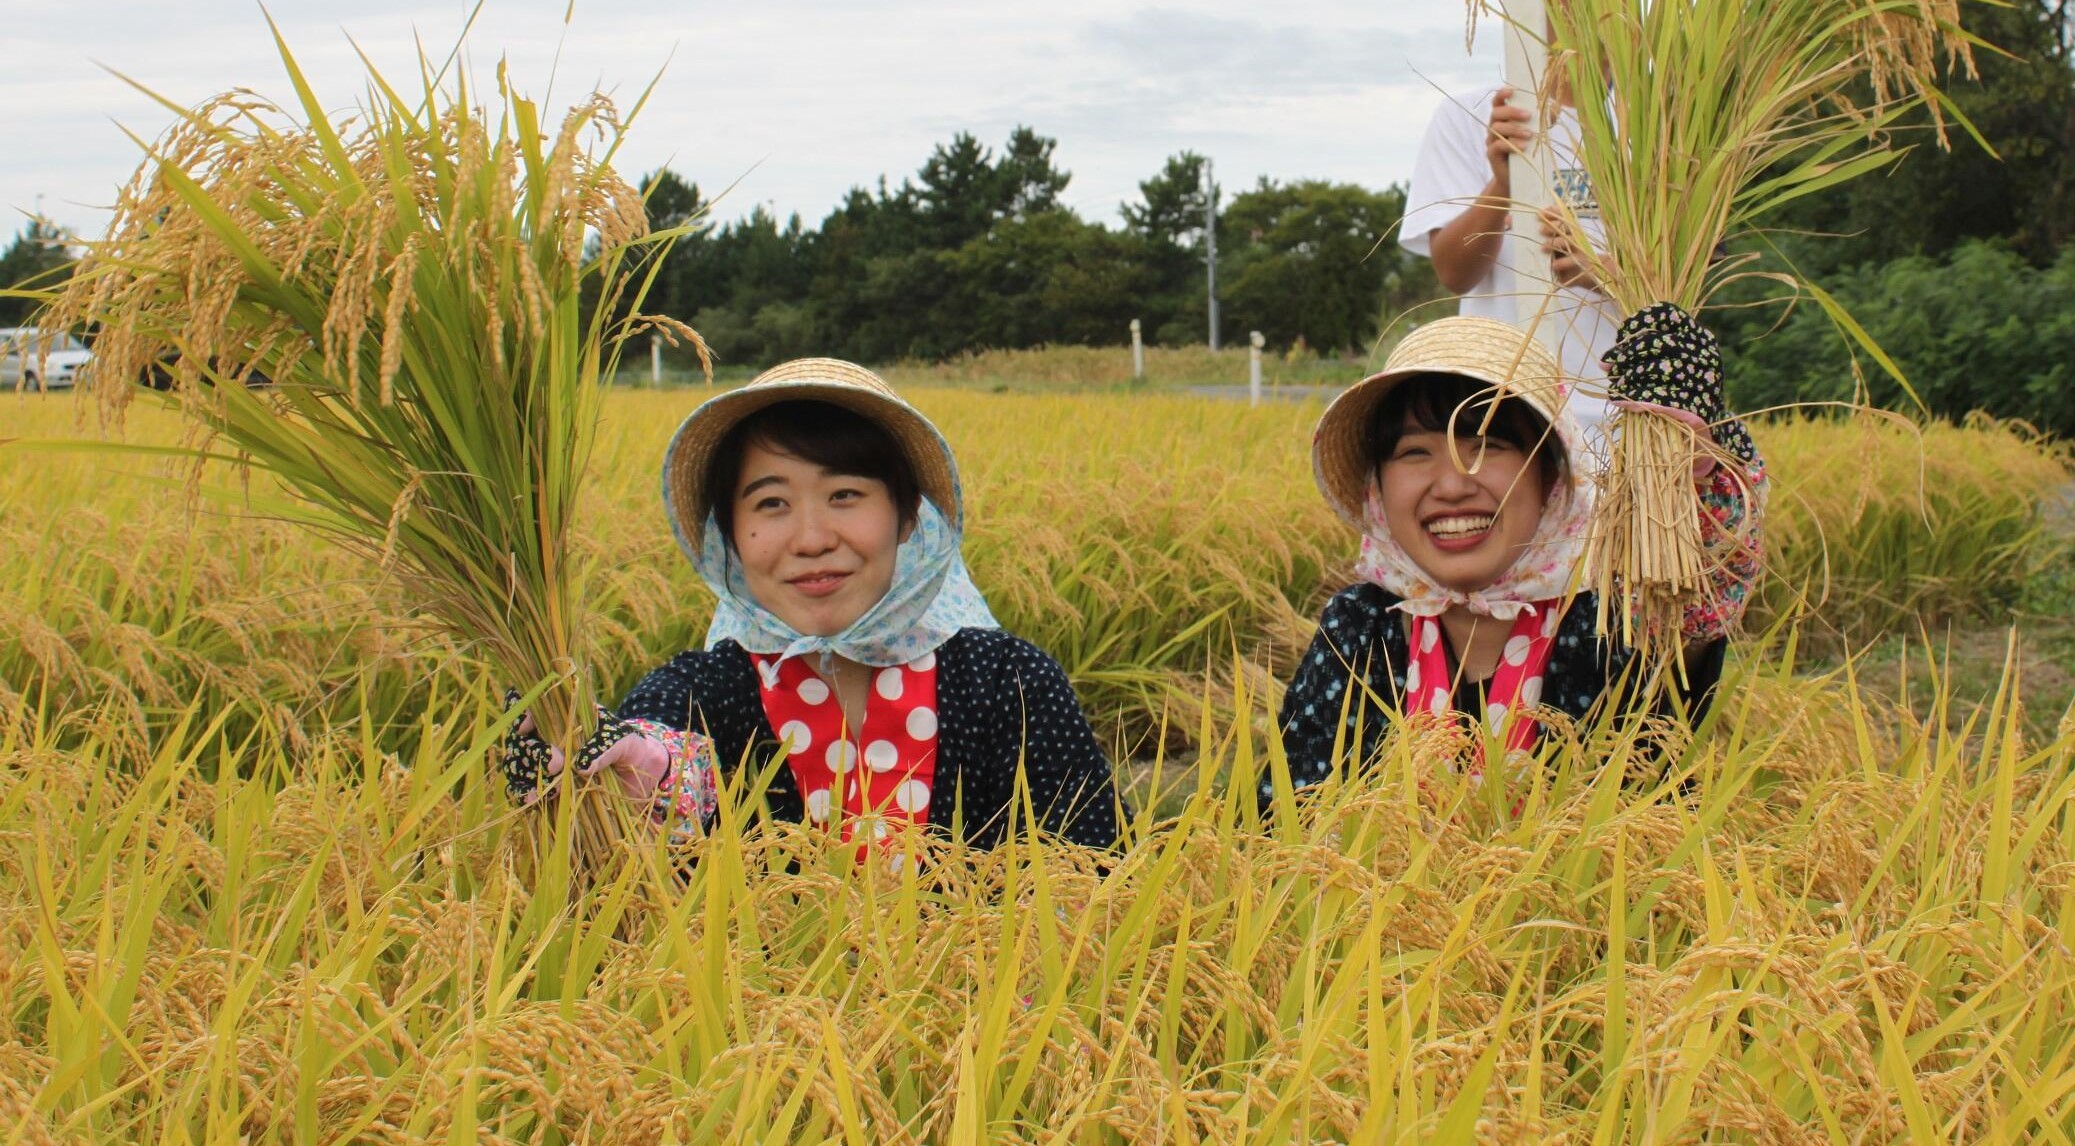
(1527, 60)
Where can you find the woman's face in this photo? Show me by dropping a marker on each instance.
(1463, 529)
(817, 547)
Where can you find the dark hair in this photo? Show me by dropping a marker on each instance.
(821, 433)
(1429, 400)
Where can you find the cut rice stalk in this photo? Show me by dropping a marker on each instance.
(1714, 112)
(405, 317)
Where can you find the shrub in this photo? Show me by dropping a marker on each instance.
(1979, 329)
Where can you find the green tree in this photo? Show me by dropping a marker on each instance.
(2023, 103)
(1308, 260)
(962, 189)
(1168, 220)
(36, 258)
(1978, 328)
(1048, 278)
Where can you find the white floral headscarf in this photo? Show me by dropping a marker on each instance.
(1548, 567)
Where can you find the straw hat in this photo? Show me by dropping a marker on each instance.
(1485, 349)
(830, 380)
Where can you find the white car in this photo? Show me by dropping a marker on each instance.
(33, 360)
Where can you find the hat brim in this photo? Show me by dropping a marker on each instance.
(688, 502)
(1340, 462)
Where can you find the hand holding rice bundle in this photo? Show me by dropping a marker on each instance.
(850, 651)
(1715, 112)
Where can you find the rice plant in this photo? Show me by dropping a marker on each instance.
(1695, 120)
(430, 293)
(255, 882)
(1824, 921)
(1140, 561)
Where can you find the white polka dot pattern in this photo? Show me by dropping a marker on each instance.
(922, 724)
(987, 709)
(897, 744)
(881, 756)
(1367, 650)
(841, 756)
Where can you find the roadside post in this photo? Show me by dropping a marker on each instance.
(1138, 353)
(655, 360)
(1253, 368)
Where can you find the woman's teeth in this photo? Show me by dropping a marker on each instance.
(1459, 526)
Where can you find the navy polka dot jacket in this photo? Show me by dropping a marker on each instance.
(1361, 639)
(1002, 705)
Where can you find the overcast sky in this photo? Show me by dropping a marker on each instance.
(794, 101)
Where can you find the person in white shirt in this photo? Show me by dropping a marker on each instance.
(1460, 207)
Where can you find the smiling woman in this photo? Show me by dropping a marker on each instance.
(1460, 464)
(848, 640)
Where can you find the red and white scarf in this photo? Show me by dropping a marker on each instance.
(867, 781)
(1516, 686)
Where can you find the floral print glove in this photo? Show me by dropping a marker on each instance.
(639, 763)
(1663, 359)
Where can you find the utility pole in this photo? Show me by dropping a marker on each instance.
(1210, 247)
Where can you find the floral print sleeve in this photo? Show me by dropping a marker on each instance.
(685, 800)
(1732, 513)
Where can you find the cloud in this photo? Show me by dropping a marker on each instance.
(799, 99)
(1228, 58)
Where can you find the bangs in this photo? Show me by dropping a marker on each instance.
(824, 434)
(1429, 401)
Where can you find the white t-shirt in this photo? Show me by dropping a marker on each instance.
(1452, 170)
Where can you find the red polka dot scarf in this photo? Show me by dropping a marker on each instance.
(865, 781)
(1516, 686)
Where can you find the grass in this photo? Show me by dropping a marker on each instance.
(1061, 369)
(256, 881)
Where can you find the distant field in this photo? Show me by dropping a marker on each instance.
(1064, 369)
(255, 882)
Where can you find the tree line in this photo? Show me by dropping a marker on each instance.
(1956, 260)
(975, 250)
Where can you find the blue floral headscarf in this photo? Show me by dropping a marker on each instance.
(932, 597)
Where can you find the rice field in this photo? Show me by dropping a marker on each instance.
(255, 883)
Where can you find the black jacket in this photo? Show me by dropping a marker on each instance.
(1002, 705)
(1361, 638)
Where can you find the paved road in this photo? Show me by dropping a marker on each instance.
(1290, 393)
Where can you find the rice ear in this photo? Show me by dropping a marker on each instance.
(412, 281)
(1798, 96)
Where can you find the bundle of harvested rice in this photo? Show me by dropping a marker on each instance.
(1715, 112)
(405, 318)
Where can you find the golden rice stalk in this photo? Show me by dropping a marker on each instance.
(1715, 112)
(435, 292)
(1647, 535)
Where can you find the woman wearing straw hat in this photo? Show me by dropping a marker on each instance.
(824, 513)
(1459, 464)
